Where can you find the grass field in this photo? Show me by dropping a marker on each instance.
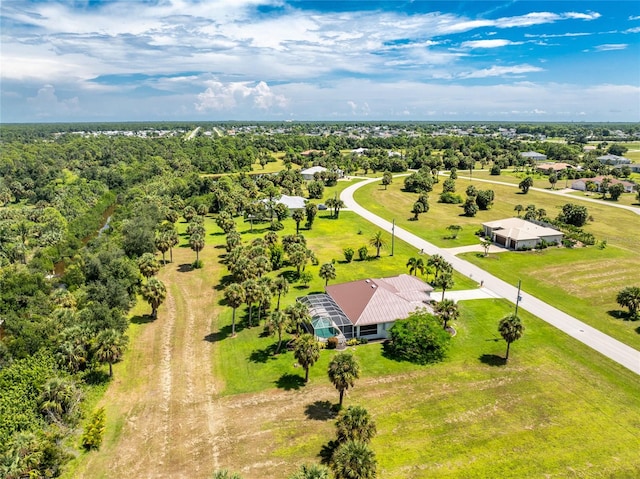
(582, 282)
(188, 399)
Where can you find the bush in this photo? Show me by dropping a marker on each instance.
(495, 170)
(363, 253)
(352, 342)
(419, 339)
(197, 264)
(450, 198)
(332, 343)
(348, 254)
(276, 226)
(470, 207)
(92, 437)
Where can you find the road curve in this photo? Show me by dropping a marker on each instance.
(595, 339)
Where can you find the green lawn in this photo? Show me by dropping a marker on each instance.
(583, 281)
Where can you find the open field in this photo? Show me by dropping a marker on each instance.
(588, 296)
(188, 399)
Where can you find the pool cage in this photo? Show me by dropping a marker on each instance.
(327, 319)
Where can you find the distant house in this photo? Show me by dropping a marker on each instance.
(516, 233)
(555, 167)
(366, 308)
(308, 174)
(359, 151)
(291, 202)
(614, 160)
(635, 167)
(581, 184)
(533, 155)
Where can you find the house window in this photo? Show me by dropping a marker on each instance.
(370, 330)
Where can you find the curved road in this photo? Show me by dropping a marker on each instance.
(612, 348)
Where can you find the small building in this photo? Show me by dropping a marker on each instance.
(517, 233)
(613, 160)
(635, 167)
(291, 202)
(366, 308)
(308, 174)
(581, 184)
(555, 167)
(533, 155)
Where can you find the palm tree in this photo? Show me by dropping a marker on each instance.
(298, 314)
(297, 216)
(519, 209)
(162, 244)
(311, 471)
(262, 265)
(629, 297)
(343, 372)
(511, 329)
(148, 265)
(338, 205)
(154, 292)
(281, 286)
(415, 265)
(264, 296)
(173, 240)
(378, 242)
(327, 272)
(109, 346)
(438, 263)
(444, 281)
(417, 209)
(355, 424)
(447, 310)
(251, 295)
(455, 229)
(234, 297)
(196, 241)
(307, 352)
(354, 460)
(58, 398)
(277, 323)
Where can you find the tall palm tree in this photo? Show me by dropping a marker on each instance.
(162, 244)
(196, 241)
(378, 242)
(173, 239)
(251, 295)
(263, 297)
(415, 265)
(518, 209)
(629, 297)
(277, 324)
(354, 460)
(338, 205)
(444, 281)
(343, 372)
(148, 265)
(327, 272)
(297, 216)
(281, 286)
(355, 424)
(511, 329)
(438, 263)
(311, 471)
(154, 292)
(447, 310)
(109, 345)
(307, 352)
(234, 297)
(298, 314)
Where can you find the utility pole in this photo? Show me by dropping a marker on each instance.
(393, 234)
(519, 297)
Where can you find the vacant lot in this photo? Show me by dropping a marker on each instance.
(582, 282)
(189, 399)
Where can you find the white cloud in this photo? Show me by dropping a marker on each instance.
(634, 17)
(583, 16)
(46, 103)
(611, 46)
(493, 43)
(632, 30)
(496, 71)
(557, 35)
(227, 96)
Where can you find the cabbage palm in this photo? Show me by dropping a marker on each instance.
(307, 352)
(511, 329)
(154, 292)
(354, 460)
(234, 297)
(355, 424)
(343, 372)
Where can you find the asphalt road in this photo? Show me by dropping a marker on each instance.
(606, 345)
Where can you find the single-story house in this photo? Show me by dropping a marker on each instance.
(555, 167)
(517, 233)
(635, 167)
(533, 155)
(308, 174)
(359, 151)
(291, 202)
(581, 184)
(614, 160)
(366, 308)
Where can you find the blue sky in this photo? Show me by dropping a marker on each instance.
(119, 60)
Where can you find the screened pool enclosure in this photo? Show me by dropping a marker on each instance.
(327, 319)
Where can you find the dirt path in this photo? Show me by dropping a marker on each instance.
(168, 422)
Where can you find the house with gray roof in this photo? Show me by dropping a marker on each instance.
(517, 233)
(614, 160)
(533, 155)
(366, 308)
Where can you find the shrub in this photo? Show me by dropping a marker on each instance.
(495, 170)
(92, 437)
(470, 207)
(419, 339)
(276, 226)
(450, 198)
(332, 343)
(197, 264)
(348, 254)
(352, 342)
(363, 253)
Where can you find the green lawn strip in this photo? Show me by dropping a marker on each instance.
(557, 403)
(581, 282)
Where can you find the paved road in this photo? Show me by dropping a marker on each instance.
(612, 348)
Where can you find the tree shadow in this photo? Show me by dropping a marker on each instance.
(289, 381)
(223, 333)
(225, 281)
(320, 411)
(185, 268)
(326, 453)
(388, 353)
(263, 355)
(290, 276)
(96, 377)
(142, 319)
(492, 360)
(623, 315)
(302, 286)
